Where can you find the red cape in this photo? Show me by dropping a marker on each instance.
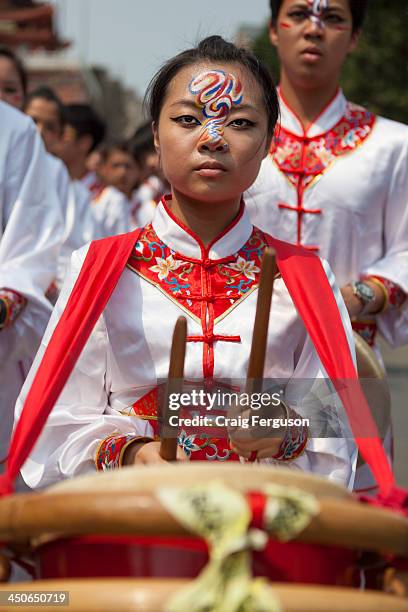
(311, 293)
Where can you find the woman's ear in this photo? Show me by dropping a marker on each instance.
(273, 34)
(156, 139)
(355, 37)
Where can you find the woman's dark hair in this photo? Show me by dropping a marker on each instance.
(213, 49)
(358, 10)
(18, 65)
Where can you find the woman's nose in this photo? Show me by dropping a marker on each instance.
(220, 145)
(315, 28)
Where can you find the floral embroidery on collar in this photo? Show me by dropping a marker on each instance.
(192, 283)
(247, 268)
(302, 159)
(164, 266)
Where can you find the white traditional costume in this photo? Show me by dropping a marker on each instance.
(111, 210)
(30, 236)
(340, 189)
(111, 394)
(145, 199)
(80, 226)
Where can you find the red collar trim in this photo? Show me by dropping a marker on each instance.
(204, 250)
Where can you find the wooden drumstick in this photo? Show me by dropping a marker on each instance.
(168, 446)
(263, 306)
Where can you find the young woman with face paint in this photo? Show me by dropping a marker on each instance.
(214, 110)
(336, 179)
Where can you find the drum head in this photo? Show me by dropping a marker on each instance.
(242, 477)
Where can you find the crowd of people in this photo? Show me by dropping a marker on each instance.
(206, 183)
(78, 187)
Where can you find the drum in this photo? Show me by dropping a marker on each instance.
(153, 596)
(113, 524)
(374, 384)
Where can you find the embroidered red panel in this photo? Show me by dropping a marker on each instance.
(301, 157)
(194, 284)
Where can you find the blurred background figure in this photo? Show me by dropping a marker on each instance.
(83, 132)
(30, 240)
(47, 112)
(153, 184)
(13, 78)
(118, 168)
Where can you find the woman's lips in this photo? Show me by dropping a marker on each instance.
(210, 172)
(311, 54)
(211, 169)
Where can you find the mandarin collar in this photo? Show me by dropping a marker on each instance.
(325, 120)
(181, 239)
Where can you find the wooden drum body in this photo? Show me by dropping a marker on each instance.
(112, 525)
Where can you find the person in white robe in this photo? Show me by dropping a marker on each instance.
(127, 356)
(31, 228)
(46, 110)
(200, 257)
(111, 211)
(336, 178)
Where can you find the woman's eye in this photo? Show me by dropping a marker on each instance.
(299, 15)
(241, 123)
(334, 19)
(187, 120)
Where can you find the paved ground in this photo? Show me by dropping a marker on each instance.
(397, 368)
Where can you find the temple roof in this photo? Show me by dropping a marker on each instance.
(23, 22)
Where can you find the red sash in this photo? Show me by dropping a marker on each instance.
(307, 283)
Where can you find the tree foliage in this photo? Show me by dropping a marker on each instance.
(376, 73)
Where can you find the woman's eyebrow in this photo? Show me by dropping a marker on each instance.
(331, 8)
(243, 107)
(185, 102)
(193, 105)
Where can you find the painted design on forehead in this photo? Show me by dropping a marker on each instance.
(216, 92)
(317, 8)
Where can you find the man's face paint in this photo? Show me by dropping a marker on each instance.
(216, 92)
(317, 8)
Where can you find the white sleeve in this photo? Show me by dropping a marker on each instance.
(79, 421)
(393, 265)
(31, 241)
(330, 451)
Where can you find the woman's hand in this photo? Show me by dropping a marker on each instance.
(353, 303)
(147, 453)
(264, 447)
(355, 306)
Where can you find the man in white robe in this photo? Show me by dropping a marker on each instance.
(31, 227)
(336, 179)
(45, 108)
(83, 132)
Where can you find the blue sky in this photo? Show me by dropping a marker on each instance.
(133, 37)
